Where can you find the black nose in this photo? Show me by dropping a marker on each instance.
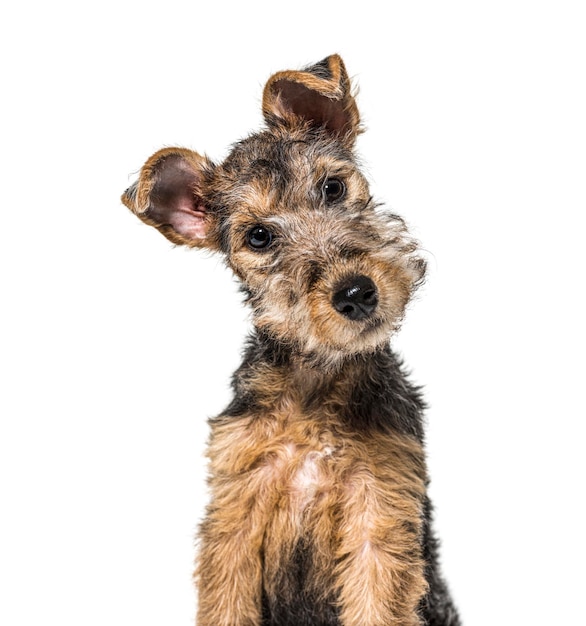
(356, 298)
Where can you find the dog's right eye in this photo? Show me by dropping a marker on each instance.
(333, 190)
(259, 238)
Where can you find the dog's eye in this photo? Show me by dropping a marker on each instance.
(333, 190)
(259, 238)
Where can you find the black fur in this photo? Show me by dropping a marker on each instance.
(301, 606)
(320, 69)
(437, 608)
(382, 398)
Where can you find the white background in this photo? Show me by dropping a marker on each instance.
(115, 346)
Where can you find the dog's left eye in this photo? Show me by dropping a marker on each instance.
(259, 238)
(333, 190)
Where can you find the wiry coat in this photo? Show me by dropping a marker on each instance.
(319, 513)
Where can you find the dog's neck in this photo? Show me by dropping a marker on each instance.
(366, 391)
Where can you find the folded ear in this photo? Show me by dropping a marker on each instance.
(167, 195)
(320, 94)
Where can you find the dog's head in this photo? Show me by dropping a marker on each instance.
(324, 271)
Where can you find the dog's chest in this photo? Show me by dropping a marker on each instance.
(292, 462)
(310, 491)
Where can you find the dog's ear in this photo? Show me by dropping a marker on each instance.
(167, 195)
(320, 94)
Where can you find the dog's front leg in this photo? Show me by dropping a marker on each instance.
(243, 490)
(380, 573)
(229, 570)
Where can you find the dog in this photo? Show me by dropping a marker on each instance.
(319, 513)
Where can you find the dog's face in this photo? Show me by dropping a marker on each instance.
(324, 271)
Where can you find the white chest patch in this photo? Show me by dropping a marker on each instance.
(310, 476)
